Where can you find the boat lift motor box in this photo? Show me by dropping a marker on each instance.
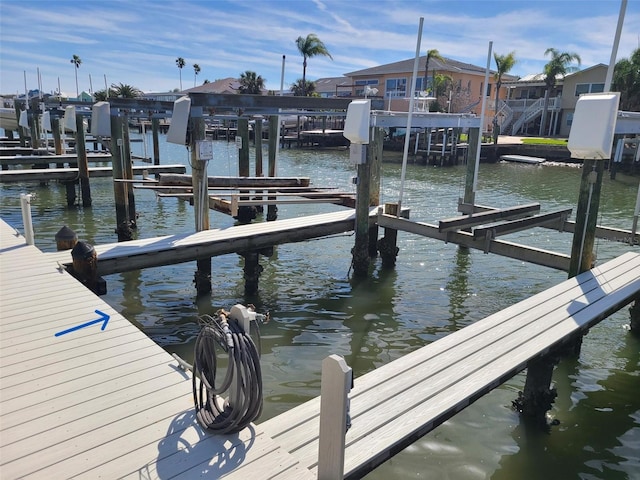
(356, 129)
(101, 119)
(593, 126)
(70, 118)
(179, 121)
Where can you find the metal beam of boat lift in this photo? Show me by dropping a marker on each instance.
(555, 219)
(482, 218)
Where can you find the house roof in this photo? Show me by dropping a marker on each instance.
(332, 84)
(538, 78)
(445, 65)
(225, 85)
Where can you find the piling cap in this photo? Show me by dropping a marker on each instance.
(66, 234)
(82, 250)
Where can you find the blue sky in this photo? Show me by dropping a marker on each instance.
(137, 42)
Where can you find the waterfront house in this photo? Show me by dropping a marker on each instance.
(524, 103)
(463, 95)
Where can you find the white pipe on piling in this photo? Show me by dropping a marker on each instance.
(409, 115)
(482, 110)
(25, 205)
(614, 50)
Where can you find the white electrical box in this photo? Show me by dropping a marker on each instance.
(101, 119)
(46, 121)
(593, 126)
(70, 118)
(357, 154)
(356, 125)
(179, 121)
(23, 121)
(205, 150)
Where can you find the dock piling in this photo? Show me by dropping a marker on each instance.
(199, 183)
(387, 245)
(538, 396)
(83, 165)
(123, 227)
(66, 239)
(634, 315)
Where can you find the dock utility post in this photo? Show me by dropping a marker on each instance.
(337, 379)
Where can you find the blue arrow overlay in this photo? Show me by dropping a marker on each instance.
(104, 318)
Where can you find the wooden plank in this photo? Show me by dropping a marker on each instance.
(136, 254)
(48, 159)
(71, 173)
(237, 182)
(556, 218)
(473, 219)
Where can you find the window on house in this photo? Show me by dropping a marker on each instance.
(396, 87)
(361, 84)
(589, 88)
(582, 88)
(569, 119)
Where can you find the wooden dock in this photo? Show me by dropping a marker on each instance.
(396, 404)
(52, 159)
(99, 403)
(71, 173)
(171, 249)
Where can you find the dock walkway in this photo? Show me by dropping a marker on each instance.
(99, 403)
(69, 158)
(171, 249)
(396, 404)
(71, 173)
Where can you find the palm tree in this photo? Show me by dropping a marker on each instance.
(122, 90)
(251, 83)
(77, 61)
(180, 63)
(626, 80)
(435, 54)
(196, 71)
(559, 65)
(299, 89)
(103, 95)
(504, 63)
(440, 85)
(310, 46)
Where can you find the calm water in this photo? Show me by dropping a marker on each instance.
(435, 289)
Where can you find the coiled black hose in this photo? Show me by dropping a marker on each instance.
(243, 378)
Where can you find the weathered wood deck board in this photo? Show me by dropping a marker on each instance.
(99, 403)
(71, 173)
(48, 159)
(440, 379)
(136, 254)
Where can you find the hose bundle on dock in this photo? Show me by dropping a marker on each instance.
(243, 378)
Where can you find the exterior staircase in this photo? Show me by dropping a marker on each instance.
(530, 114)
